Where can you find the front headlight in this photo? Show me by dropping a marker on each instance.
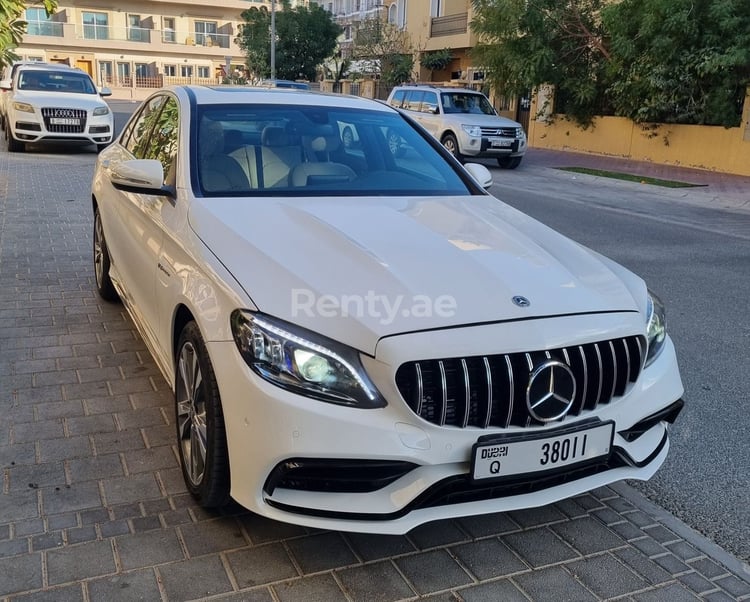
(472, 130)
(520, 133)
(656, 329)
(303, 362)
(101, 111)
(24, 107)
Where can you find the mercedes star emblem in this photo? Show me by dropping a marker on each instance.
(551, 390)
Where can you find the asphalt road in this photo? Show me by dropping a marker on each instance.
(698, 261)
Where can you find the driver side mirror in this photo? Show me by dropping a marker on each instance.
(6, 85)
(480, 173)
(105, 91)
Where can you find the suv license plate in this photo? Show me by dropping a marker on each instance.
(64, 121)
(500, 143)
(521, 456)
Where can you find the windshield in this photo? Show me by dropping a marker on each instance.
(457, 102)
(55, 81)
(261, 150)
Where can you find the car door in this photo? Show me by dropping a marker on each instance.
(135, 238)
(427, 112)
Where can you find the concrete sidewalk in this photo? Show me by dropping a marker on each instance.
(93, 506)
(710, 188)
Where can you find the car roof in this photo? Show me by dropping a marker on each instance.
(37, 66)
(438, 88)
(263, 95)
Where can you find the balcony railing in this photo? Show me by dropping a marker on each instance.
(91, 31)
(450, 25)
(45, 28)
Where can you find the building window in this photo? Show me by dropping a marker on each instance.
(186, 71)
(436, 8)
(170, 70)
(95, 26)
(136, 33)
(401, 14)
(392, 14)
(105, 73)
(39, 24)
(168, 33)
(205, 32)
(204, 72)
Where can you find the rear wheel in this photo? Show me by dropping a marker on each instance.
(104, 285)
(451, 145)
(509, 162)
(201, 435)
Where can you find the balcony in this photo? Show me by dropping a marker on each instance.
(97, 36)
(449, 26)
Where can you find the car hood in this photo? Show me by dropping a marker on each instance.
(64, 100)
(482, 120)
(358, 269)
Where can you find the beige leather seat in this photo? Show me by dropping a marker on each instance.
(218, 171)
(319, 169)
(279, 156)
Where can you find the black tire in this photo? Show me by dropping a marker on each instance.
(102, 263)
(347, 137)
(451, 144)
(509, 162)
(201, 434)
(14, 146)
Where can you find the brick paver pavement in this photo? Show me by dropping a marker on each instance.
(93, 506)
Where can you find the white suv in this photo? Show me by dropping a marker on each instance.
(464, 121)
(55, 103)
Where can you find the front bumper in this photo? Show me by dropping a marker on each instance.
(387, 471)
(492, 147)
(32, 127)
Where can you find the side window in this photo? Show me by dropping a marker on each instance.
(429, 102)
(162, 143)
(398, 98)
(142, 126)
(413, 100)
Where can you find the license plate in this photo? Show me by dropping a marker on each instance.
(64, 121)
(500, 143)
(521, 454)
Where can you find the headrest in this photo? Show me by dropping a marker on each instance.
(274, 136)
(324, 139)
(211, 138)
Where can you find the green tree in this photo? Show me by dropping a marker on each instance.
(679, 61)
(388, 46)
(12, 26)
(526, 43)
(305, 37)
(437, 60)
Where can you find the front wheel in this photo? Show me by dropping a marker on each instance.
(451, 145)
(14, 146)
(201, 435)
(509, 162)
(104, 285)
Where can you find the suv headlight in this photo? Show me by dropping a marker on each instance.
(656, 329)
(303, 362)
(24, 107)
(520, 133)
(472, 130)
(101, 111)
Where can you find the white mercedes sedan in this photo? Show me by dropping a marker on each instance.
(365, 340)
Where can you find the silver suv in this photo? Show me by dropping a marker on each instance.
(464, 121)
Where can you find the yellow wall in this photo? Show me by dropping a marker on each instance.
(713, 148)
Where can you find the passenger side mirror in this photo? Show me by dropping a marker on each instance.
(105, 91)
(480, 173)
(139, 175)
(6, 85)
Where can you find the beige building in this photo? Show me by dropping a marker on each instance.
(144, 45)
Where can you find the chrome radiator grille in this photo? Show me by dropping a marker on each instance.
(504, 132)
(490, 391)
(64, 121)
